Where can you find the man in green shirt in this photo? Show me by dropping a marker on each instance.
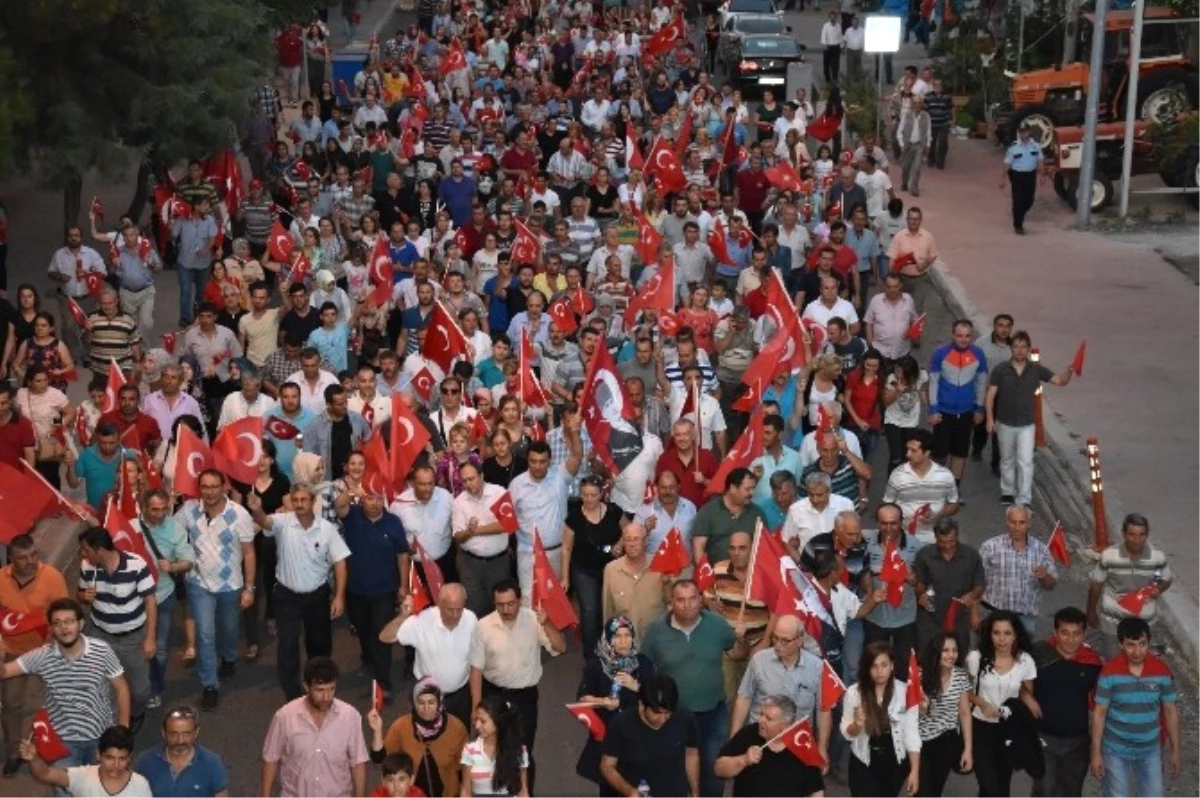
(689, 644)
(733, 512)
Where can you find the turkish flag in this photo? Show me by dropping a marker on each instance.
(915, 693)
(128, 538)
(479, 427)
(280, 243)
(917, 329)
(127, 502)
(586, 714)
(408, 437)
(893, 573)
(900, 261)
(408, 144)
(832, 688)
(301, 266)
(422, 383)
(770, 569)
(748, 447)
(703, 575)
(669, 176)
(800, 740)
(1134, 601)
(526, 246)
(97, 209)
(548, 592)
(381, 274)
(77, 312)
(669, 324)
(649, 240)
(376, 696)
(81, 430)
(455, 59)
(717, 242)
(684, 138)
(192, 458)
(563, 317)
(420, 594)
(658, 293)
(367, 175)
(154, 477)
(280, 428)
(238, 449)
(444, 341)
(168, 340)
(506, 513)
(633, 156)
(607, 413)
(13, 623)
(1077, 361)
(432, 572)
(380, 462)
(582, 302)
(25, 501)
(94, 282)
(671, 556)
(1058, 545)
(667, 38)
(916, 518)
(951, 620)
(783, 176)
(50, 747)
(531, 391)
(750, 399)
(115, 380)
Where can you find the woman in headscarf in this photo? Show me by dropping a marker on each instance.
(610, 683)
(430, 735)
(309, 469)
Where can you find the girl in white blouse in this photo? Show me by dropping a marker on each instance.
(1001, 670)
(885, 745)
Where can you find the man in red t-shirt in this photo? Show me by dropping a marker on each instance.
(129, 415)
(752, 189)
(17, 442)
(289, 49)
(692, 465)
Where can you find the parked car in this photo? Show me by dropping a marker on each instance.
(760, 62)
(741, 25)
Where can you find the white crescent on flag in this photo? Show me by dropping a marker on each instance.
(408, 429)
(9, 622)
(255, 448)
(194, 470)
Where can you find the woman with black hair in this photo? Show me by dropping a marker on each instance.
(272, 489)
(495, 762)
(885, 745)
(1002, 670)
(945, 714)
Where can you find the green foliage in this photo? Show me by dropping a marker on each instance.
(1173, 141)
(16, 110)
(119, 79)
(860, 96)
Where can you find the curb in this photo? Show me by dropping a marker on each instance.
(1062, 485)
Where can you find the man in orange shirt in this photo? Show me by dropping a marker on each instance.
(912, 253)
(26, 585)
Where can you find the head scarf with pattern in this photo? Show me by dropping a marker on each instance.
(612, 662)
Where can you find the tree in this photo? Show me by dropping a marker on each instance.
(123, 81)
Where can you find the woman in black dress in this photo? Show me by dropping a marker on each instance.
(590, 536)
(272, 489)
(611, 678)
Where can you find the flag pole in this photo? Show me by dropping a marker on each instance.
(781, 735)
(758, 526)
(62, 500)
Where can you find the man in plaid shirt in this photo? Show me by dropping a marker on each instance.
(560, 449)
(1018, 568)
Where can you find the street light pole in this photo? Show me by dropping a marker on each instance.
(1131, 98)
(1087, 170)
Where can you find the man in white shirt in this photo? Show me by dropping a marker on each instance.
(795, 237)
(441, 637)
(855, 40)
(595, 111)
(829, 305)
(831, 41)
(375, 409)
(69, 267)
(249, 401)
(875, 184)
(483, 558)
(313, 380)
(425, 509)
(711, 422)
(814, 514)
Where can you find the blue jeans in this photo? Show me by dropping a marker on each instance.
(713, 729)
(1121, 771)
(158, 665)
(216, 616)
(83, 752)
(191, 289)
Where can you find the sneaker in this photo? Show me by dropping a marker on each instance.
(1006, 499)
(154, 702)
(226, 670)
(209, 699)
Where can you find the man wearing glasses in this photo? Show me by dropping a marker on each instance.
(177, 766)
(785, 669)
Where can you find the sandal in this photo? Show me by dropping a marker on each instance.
(189, 656)
(251, 653)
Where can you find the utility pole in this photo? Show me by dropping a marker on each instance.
(1071, 32)
(1131, 98)
(1087, 170)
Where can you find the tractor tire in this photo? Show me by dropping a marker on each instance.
(1191, 177)
(1102, 191)
(1042, 120)
(1165, 95)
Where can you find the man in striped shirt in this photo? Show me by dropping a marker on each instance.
(78, 672)
(1136, 694)
(925, 491)
(122, 595)
(1132, 565)
(112, 335)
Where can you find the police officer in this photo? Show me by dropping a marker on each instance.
(1021, 163)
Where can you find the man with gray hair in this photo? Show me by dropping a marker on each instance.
(1017, 568)
(808, 446)
(757, 756)
(785, 669)
(169, 402)
(248, 401)
(814, 514)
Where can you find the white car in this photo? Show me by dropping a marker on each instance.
(733, 8)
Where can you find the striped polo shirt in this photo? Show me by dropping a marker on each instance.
(843, 480)
(911, 491)
(1134, 704)
(78, 692)
(112, 338)
(1120, 574)
(729, 591)
(120, 603)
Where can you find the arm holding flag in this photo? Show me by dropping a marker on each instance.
(41, 772)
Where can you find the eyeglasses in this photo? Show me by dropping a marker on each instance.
(187, 713)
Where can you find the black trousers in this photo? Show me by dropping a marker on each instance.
(296, 613)
(992, 768)
(1023, 185)
(369, 614)
(831, 60)
(939, 146)
(1066, 765)
(884, 776)
(980, 439)
(938, 757)
(265, 554)
(458, 704)
(902, 638)
(524, 702)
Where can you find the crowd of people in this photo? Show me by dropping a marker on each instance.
(531, 173)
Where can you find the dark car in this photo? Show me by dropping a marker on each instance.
(746, 25)
(760, 62)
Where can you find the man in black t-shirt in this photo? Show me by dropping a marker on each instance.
(657, 744)
(771, 769)
(301, 319)
(850, 348)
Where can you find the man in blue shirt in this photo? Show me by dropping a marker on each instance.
(457, 192)
(96, 467)
(1022, 161)
(377, 575)
(177, 766)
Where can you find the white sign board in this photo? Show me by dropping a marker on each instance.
(881, 34)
